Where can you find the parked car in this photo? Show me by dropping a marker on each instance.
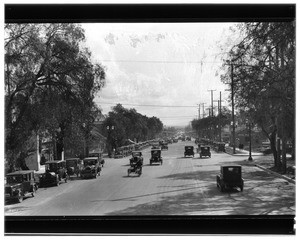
(19, 184)
(136, 156)
(73, 166)
(189, 151)
(230, 177)
(56, 171)
(91, 167)
(205, 151)
(156, 156)
(100, 157)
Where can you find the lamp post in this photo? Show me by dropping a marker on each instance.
(109, 139)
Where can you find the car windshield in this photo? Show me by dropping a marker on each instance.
(134, 154)
(89, 162)
(234, 170)
(155, 153)
(71, 163)
(53, 167)
(14, 179)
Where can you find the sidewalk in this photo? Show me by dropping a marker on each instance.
(241, 152)
(266, 163)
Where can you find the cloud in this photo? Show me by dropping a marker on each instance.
(157, 64)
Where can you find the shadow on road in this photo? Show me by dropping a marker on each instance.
(261, 196)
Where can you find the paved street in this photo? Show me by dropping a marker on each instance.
(181, 186)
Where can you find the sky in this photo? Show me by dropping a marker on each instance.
(160, 69)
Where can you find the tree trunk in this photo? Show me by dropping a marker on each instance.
(283, 166)
(278, 158)
(272, 139)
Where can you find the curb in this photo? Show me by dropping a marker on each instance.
(244, 154)
(276, 174)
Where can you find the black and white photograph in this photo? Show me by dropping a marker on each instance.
(124, 118)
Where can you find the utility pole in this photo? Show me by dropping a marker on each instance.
(198, 111)
(212, 102)
(232, 111)
(220, 112)
(203, 112)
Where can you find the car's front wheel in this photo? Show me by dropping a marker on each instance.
(20, 198)
(33, 192)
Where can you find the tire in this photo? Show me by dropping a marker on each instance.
(33, 192)
(128, 173)
(222, 189)
(201, 156)
(20, 198)
(241, 187)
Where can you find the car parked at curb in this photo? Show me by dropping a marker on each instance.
(91, 167)
(19, 184)
(56, 172)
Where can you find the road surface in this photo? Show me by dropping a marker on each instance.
(181, 186)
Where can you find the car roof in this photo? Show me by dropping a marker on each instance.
(226, 166)
(55, 161)
(71, 159)
(156, 150)
(91, 158)
(189, 146)
(136, 152)
(21, 172)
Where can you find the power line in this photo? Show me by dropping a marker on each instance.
(185, 106)
(160, 61)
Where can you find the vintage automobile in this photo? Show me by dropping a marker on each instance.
(164, 146)
(221, 146)
(156, 146)
(119, 153)
(230, 177)
(137, 169)
(91, 167)
(156, 156)
(205, 151)
(19, 184)
(136, 156)
(189, 151)
(56, 172)
(73, 166)
(99, 155)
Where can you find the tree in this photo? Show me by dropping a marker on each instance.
(123, 124)
(50, 83)
(264, 79)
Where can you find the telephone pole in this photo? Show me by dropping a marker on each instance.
(232, 111)
(212, 102)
